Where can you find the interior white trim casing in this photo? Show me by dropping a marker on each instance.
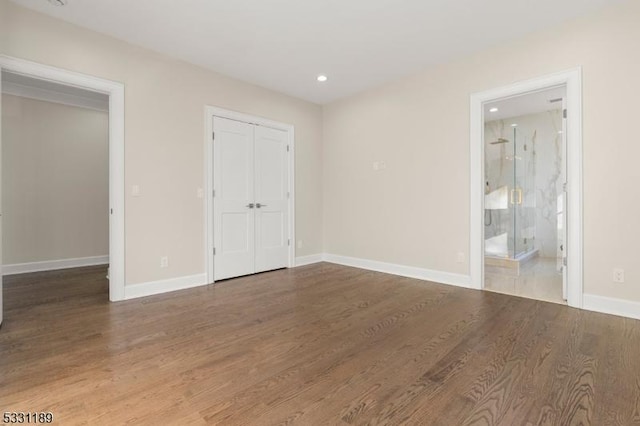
(573, 81)
(115, 91)
(309, 260)
(53, 265)
(209, 113)
(52, 96)
(150, 288)
(612, 306)
(440, 277)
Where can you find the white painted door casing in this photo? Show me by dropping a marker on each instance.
(574, 155)
(211, 137)
(251, 202)
(115, 91)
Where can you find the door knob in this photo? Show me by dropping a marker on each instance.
(260, 205)
(250, 205)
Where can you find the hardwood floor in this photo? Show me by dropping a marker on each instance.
(316, 345)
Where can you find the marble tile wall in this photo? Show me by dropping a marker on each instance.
(537, 154)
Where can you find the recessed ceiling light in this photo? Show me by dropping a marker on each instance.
(494, 109)
(560, 132)
(322, 78)
(58, 2)
(514, 125)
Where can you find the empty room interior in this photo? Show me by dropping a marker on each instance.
(335, 213)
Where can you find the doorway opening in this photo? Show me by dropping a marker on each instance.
(526, 197)
(34, 80)
(55, 183)
(525, 172)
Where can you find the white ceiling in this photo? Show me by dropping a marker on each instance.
(531, 103)
(284, 44)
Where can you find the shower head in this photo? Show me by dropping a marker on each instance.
(500, 140)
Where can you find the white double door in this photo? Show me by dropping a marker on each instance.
(251, 199)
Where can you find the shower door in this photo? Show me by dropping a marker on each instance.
(510, 198)
(523, 196)
(499, 218)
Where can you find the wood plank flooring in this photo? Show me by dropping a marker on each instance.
(316, 345)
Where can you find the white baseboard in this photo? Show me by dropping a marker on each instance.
(308, 260)
(164, 286)
(591, 302)
(52, 265)
(610, 305)
(458, 280)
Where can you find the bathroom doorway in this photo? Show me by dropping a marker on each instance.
(526, 189)
(525, 171)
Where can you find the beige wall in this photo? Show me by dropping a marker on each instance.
(55, 181)
(416, 212)
(164, 137)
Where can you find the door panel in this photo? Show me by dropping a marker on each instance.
(236, 170)
(235, 232)
(271, 183)
(524, 192)
(272, 232)
(234, 218)
(499, 217)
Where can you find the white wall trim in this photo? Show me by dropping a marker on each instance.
(150, 288)
(40, 94)
(613, 306)
(591, 302)
(52, 265)
(573, 81)
(440, 277)
(310, 259)
(209, 113)
(115, 91)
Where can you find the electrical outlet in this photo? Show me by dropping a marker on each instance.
(135, 191)
(618, 275)
(164, 262)
(460, 257)
(299, 243)
(200, 193)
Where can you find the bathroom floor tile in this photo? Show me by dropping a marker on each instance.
(539, 279)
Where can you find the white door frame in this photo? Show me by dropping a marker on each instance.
(115, 91)
(209, 113)
(574, 243)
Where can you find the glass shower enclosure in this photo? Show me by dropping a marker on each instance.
(510, 199)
